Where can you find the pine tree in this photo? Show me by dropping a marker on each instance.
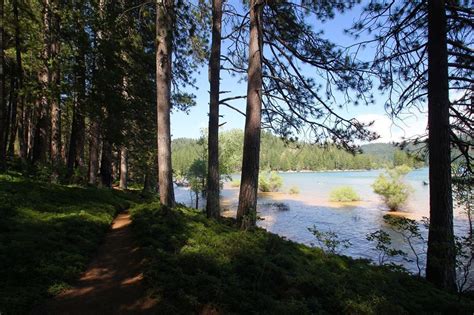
(213, 177)
(164, 41)
(247, 210)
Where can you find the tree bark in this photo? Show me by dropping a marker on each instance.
(77, 140)
(94, 151)
(41, 138)
(3, 107)
(213, 175)
(12, 121)
(30, 131)
(164, 30)
(247, 210)
(123, 167)
(22, 115)
(54, 87)
(106, 164)
(440, 266)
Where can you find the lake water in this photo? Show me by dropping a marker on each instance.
(351, 221)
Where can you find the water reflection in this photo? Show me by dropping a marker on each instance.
(352, 221)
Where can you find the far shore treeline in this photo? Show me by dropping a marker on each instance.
(280, 155)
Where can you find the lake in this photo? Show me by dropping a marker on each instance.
(351, 221)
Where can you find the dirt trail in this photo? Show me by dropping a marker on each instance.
(113, 282)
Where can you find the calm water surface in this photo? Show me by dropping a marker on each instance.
(352, 221)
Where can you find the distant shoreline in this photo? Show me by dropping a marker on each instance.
(333, 170)
(329, 171)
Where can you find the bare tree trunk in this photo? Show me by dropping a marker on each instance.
(11, 114)
(12, 121)
(22, 117)
(94, 151)
(247, 210)
(95, 128)
(3, 107)
(213, 176)
(123, 167)
(77, 141)
(41, 141)
(56, 146)
(440, 265)
(164, 30)
(106, 164)
(30, 132)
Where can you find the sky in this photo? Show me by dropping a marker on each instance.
(190, 125)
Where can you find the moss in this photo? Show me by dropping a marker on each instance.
(47, 236)
(196, 264)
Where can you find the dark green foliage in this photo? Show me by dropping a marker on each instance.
(196, 264)
(47, 235)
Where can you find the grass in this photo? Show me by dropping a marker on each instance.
(48, 234)
(197, 265)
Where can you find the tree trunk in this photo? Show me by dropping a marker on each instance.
(30, 131)
(213, 176)
(440, 265)
(123, 167)
(164, 30)
(41, 141)
(56, 147)
(10, 127)
(76, 144)
(12, 121)
(22, 117)
(106, 164)
(3, 107)
(247, 210)
(94, 151)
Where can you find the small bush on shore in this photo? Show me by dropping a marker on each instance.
(344, 194)
(269, 181)
(294, 190)
(391, 187)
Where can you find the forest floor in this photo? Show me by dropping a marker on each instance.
(52, 235)
(113, 282)
(199, 266)
(74, 250)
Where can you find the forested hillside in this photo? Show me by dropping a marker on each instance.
(278, 154)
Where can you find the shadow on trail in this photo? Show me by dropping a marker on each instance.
(113, 282)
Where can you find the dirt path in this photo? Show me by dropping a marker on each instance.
(113, 282)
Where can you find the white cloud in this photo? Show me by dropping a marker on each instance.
(396, 130)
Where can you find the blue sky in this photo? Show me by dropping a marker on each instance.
(189, 125)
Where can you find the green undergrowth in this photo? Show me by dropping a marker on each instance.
(197, 265)
(47, 236)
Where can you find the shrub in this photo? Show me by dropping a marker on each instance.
(392, 188)
(329, 241)
(269, 182)
(294, 190)
(344, 194)
(235, 183)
